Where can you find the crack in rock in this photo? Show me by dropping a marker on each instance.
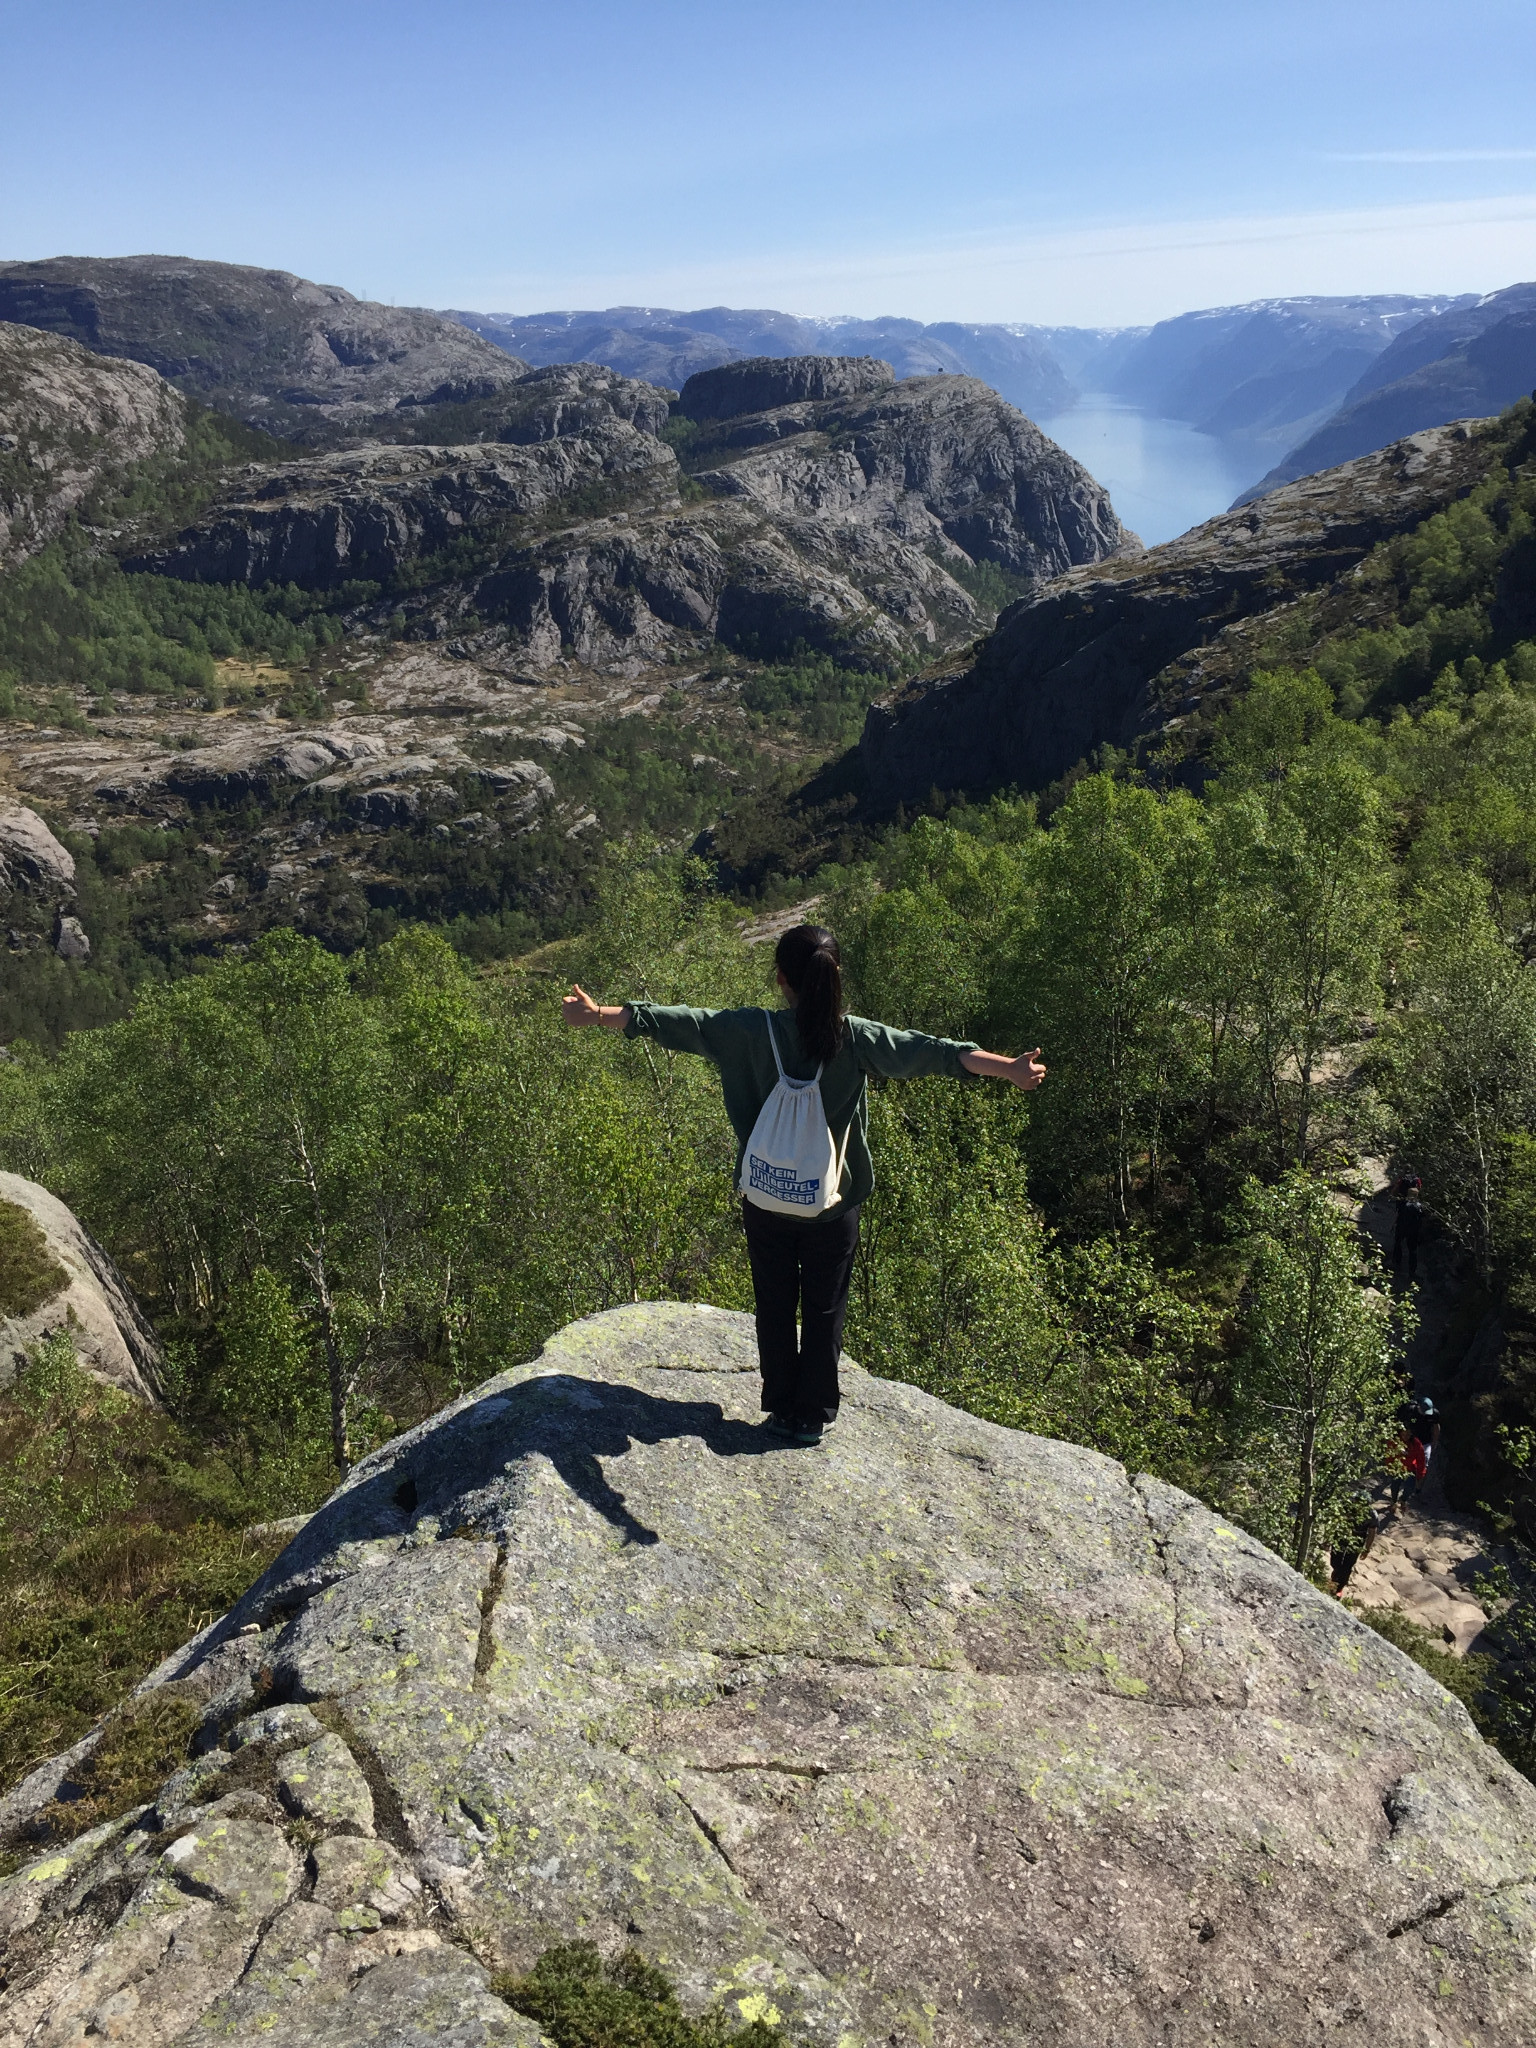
(485, 1649)
(1437, 1911)
(1160, 1550)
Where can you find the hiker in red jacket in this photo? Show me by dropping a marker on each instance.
(1421, 1437)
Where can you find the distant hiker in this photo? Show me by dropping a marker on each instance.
(793, 1081)
(1408, 1195)
(1421, 1438)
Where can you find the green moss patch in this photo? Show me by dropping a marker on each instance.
(144, 1742)
(29, 1273)
(582, 2002)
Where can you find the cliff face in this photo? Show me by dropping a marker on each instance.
(1105, 653)
(940, 460)
(939, 1734)
(835, 521)
(302, 360)
(70, 422)
(763, 382)
(369, 512)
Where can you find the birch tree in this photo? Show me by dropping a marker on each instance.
(1317, 1380)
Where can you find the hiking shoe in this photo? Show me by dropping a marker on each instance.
(807, 1430)
(785, 1426)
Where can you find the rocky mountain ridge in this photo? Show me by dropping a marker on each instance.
(941, 1734)
(936, 459)
(1113, 653)
(304, 361)
(832, 521)
(494, 611)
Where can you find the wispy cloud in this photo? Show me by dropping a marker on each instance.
(1430, 156)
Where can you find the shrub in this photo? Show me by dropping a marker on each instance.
(582, 2002)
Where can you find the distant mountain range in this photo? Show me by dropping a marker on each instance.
(1263, 377)
(666, 347)
(1473, 359)
(1289, 386)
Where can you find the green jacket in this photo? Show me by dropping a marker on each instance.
(737, 1042)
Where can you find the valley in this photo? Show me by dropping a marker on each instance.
(392, 681)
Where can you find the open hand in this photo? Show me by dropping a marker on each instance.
(578, 1007)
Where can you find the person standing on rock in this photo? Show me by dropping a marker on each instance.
(794, 1086)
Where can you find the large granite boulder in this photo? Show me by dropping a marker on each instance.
(88, 1298)
(937, 1734)
(31, 858)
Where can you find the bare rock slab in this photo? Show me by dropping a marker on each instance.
(322, 1784)
(939, 1734)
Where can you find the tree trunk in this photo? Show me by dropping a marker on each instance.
(1306, 1506)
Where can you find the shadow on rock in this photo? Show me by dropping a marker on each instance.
(468, 1470)
(575, 1424)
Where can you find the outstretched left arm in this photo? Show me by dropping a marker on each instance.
(1027, 1071)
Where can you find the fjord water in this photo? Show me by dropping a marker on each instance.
(1163, 475)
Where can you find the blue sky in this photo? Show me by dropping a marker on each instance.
(1088, 161)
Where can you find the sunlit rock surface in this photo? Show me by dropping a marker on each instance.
(939, 1733)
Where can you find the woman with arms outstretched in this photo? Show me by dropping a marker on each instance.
(801, 1262)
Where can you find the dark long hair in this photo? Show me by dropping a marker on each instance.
(809, 961)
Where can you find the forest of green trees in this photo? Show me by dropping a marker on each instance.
(347, 1187)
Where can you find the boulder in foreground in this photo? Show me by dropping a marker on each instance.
(939, 1734)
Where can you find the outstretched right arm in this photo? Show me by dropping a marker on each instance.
(1027, 1071)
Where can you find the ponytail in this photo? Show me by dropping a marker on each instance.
(809, 961)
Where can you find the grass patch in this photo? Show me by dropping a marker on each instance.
(144, 1742)
(993, 587)
(29, 1273)
(121, 1534)
(582, 2002)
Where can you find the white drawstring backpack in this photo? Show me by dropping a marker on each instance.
(791, 1164)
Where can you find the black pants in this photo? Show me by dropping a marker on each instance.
(804, 1267)
(1405, 1245)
